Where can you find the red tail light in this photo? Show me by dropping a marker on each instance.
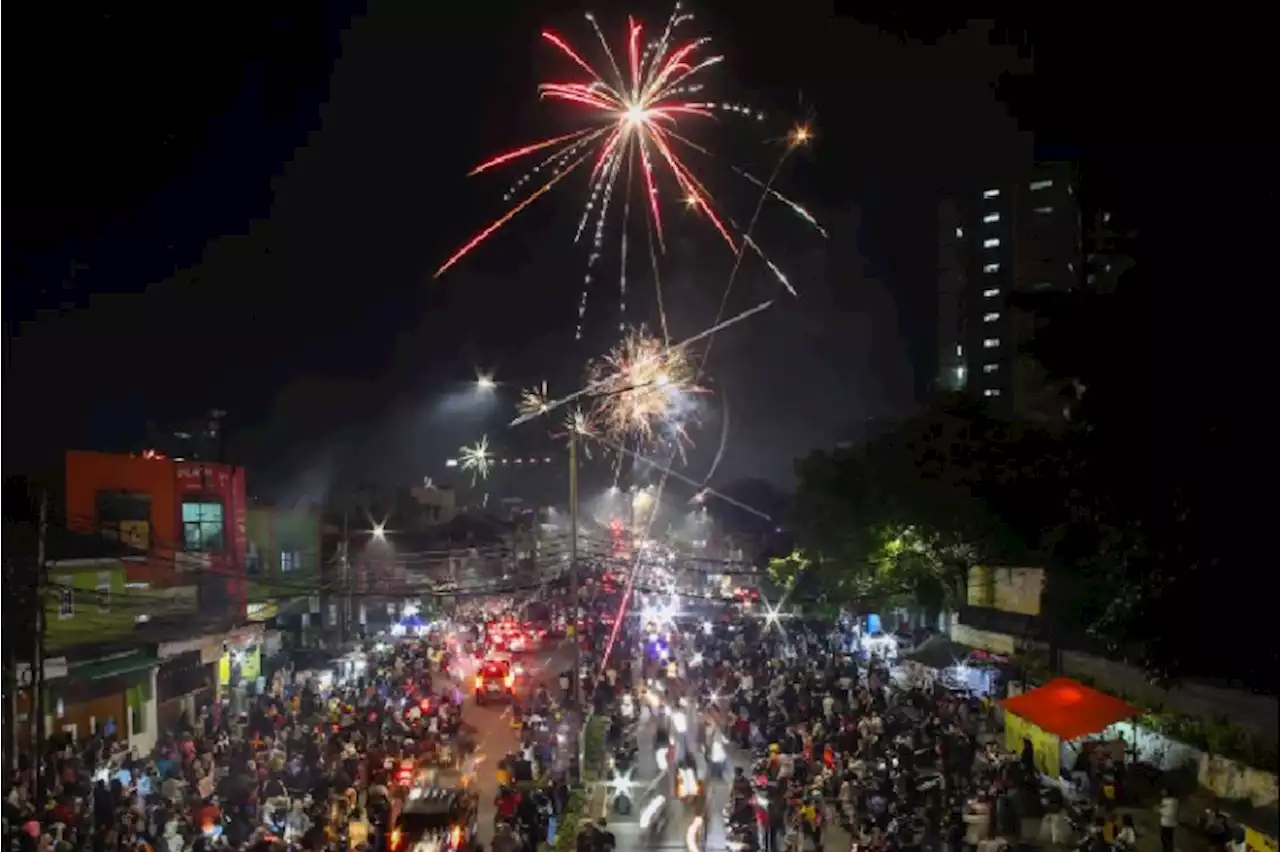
(396, 837)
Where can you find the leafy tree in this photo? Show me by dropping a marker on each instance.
(908, 513)
(1153, 487)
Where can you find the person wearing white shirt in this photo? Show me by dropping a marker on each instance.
(1168, 820)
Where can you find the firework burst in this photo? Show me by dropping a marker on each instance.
(534, 402)
(477, 459)
(644, 391)
(631, 143)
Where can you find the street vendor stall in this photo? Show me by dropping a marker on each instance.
(956, 667)
(1060, 711)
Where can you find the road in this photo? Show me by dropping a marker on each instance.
(494, 735)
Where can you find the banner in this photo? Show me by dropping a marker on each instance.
(1045, 745)
(1257, 841)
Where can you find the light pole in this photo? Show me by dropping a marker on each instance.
(573, 562)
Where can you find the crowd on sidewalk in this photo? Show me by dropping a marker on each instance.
(307, 764)
(833, 746)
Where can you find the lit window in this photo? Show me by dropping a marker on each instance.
(990, 267)
(991, 392)
(990, 317)
(990, 368)
(990, 193)
(959, 232)
(990, 343)
(1040, 184)
(1046, 209)
(991, 242)
(991, 217)
(991, 292)
(290, 560)
(202, 528)
(1106, 218)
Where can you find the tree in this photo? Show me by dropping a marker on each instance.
(1153, 514)
(910, 512)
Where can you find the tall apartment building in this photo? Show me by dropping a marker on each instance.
(1012, 237)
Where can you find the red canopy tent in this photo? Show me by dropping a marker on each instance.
(1069, 709)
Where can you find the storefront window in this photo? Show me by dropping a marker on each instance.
(202, 526)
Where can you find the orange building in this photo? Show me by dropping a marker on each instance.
(186, 517)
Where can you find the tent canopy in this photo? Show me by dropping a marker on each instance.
(1069, 709)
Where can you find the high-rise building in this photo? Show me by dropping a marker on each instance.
(1020, 236)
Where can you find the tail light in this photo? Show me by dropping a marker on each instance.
(510, 681)
(479, 681)
(455, 837)
(396, 837)
(425, 704)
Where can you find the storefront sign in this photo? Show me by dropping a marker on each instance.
(206, 645)
(54, 667)
(250, 634)
(262, 611)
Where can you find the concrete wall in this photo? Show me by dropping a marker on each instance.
(1232, 780)
(1257, 714)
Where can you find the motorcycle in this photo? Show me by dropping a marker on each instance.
(653, 819)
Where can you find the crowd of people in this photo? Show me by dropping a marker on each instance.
(310, 764)
(824, 737)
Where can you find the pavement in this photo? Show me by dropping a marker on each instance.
(492, 723)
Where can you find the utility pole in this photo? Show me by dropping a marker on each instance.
(36, 704)
(575, 682)
(345, 619)
(573, 565)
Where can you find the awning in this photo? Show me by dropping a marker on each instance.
(1069, 709)
(939, 653)
(103, 669)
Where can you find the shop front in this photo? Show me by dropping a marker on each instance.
(113, 695)
(187, 679)
(239, 668)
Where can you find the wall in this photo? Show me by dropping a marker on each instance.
(219, 576)
(93, 619)
(1234, 781)
(88, 473)
(144, 741)
(1258, 714)
(1016, 590)
(271, 531)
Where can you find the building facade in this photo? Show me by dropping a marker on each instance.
(185, 520)
(1020, 236)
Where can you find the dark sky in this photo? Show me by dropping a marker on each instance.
(245, 210)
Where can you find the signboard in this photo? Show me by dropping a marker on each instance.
(54, 667)
(262, 611)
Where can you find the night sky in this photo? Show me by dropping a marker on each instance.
(244, 210)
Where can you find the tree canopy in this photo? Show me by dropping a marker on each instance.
(1125, 504)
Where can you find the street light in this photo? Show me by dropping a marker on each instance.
(380, 532)
(485, 382)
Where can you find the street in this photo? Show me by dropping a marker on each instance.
(492, 723)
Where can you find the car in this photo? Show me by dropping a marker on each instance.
(436, 819)
(495, 680)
